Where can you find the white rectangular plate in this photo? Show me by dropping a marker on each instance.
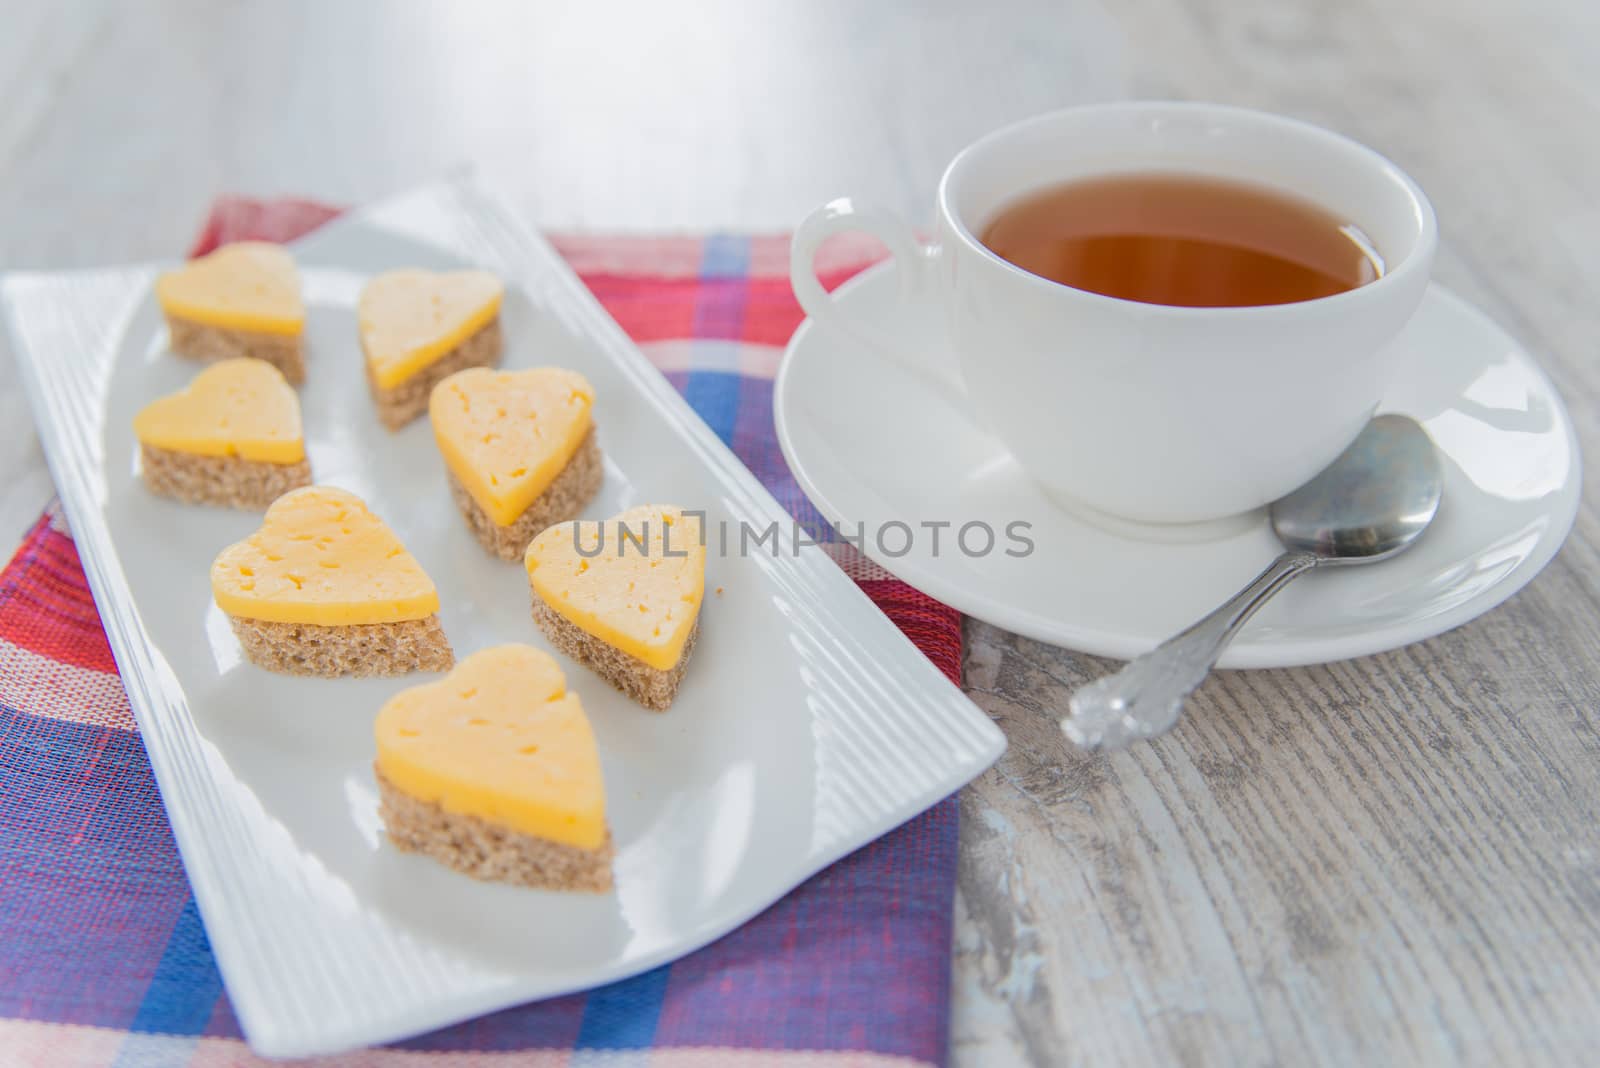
(806, 727)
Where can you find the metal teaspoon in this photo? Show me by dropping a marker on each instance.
(1374, 501)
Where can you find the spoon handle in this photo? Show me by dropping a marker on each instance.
(1145, 698)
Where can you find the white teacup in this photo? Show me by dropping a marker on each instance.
(1148, 412)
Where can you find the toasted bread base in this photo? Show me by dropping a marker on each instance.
(357, 650)
(202, 341)
(483, 850)
(650, 687)
(225, 481)
(573, 488)
(398, 405)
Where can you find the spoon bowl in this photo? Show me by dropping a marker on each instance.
(1372, 502)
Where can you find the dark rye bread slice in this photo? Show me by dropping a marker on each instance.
(573, 488)
(484, 850)
(228, 481)
(398, 405)
(356, 650)
(201, 341)
(650, 687)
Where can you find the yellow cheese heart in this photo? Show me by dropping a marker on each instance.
(499, 738)
(634, 581)
(240, 408)
(506, 435)
(252, 285)
(322, 557)
(408, 319)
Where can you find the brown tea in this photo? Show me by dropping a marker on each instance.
(1184, 240)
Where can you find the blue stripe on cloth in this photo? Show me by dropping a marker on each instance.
(725, 256)
(186, 984)
(719, 314)
(624, 1015)
(714, 395)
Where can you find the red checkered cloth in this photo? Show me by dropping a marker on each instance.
(103, 959)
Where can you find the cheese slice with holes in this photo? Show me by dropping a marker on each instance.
(251, 285)
(322, 557)
(499, 738)
(242, 408)
(507, 435)
(409, 319)
(634, 581)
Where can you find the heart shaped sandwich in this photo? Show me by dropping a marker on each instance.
(232, 437)
(241, 300)
(623, 596)
(419, 327)
(326, 588)
(493, 771)
(519, 448)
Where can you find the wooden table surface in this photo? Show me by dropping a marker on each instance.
(1390, 860)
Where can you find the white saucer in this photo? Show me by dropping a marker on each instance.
(872, 441)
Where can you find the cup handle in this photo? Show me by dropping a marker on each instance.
(914, 261)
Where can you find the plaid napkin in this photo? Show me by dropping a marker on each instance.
(103, 960)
